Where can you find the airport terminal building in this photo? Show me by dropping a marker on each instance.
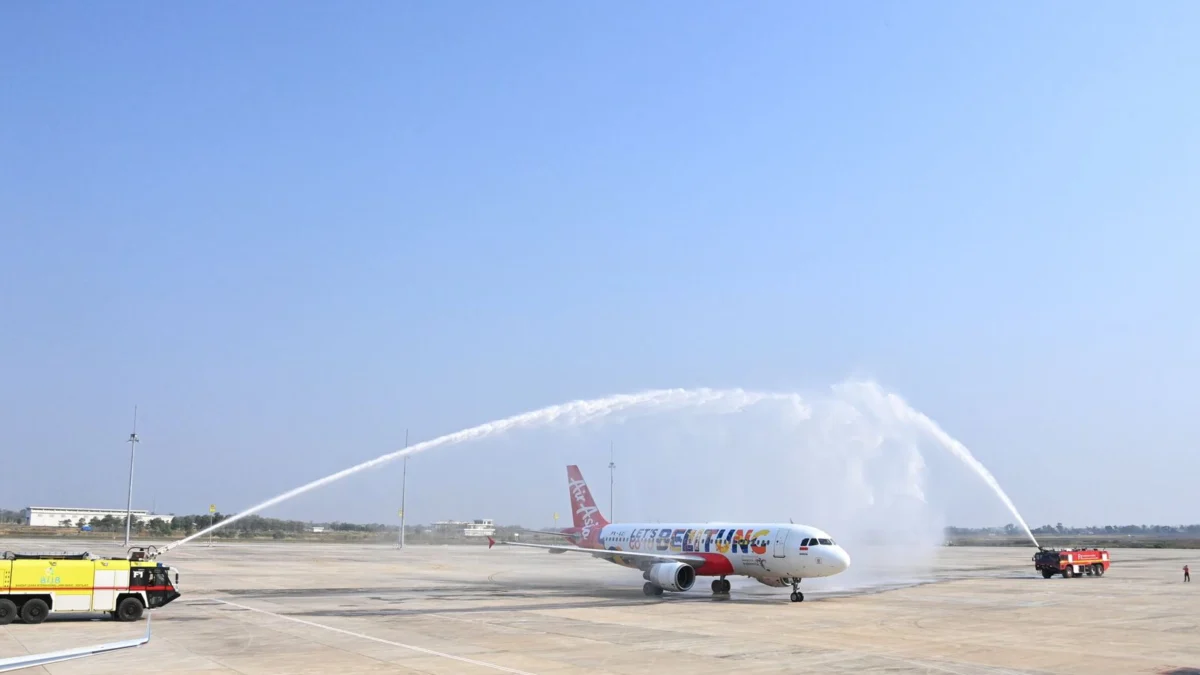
(56, 516)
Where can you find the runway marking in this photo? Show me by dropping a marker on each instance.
(414, 648)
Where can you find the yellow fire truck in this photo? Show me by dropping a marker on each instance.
(35, 585)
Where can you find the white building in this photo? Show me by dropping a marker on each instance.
(54, 516)
(480, 528)
(477, 528)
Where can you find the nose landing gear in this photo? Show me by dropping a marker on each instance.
(797, 596)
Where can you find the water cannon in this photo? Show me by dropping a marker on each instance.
(143, 552)
(161, 551)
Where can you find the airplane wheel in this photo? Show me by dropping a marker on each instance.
(797, 596)
(726, 585)
(658, 590)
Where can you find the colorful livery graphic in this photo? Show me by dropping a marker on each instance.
(671, 556)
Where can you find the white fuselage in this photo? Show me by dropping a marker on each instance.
(769, 552)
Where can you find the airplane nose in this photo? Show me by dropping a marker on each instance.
(842, 559)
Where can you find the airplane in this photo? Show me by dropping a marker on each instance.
(46, 658)
(672, 555)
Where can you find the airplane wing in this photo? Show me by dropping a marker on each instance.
(603, 553)
(46, 658)
(565, 535)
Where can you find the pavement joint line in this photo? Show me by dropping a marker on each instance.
(343, 631)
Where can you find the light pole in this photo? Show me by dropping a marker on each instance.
(612, 467)
(212, 512)
(133, 441)
(403, 489)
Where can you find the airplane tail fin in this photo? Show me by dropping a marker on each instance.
(586, 514)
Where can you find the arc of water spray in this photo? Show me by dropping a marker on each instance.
(959, 450)
(581, 411)
(574, 412)
(901, 410)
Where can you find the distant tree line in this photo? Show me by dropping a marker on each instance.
(250, 526)
(258, 526)
(254, 526)
(1013, 530)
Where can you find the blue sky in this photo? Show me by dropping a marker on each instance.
(288, 231)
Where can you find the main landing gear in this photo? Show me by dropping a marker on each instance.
(720, 586)
(797, 596)
(650, 589)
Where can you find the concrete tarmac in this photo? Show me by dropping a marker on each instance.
(297, 609)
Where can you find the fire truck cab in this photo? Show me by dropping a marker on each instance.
(1071, 562)
(35, 585)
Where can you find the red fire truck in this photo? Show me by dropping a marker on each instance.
(1071, 562)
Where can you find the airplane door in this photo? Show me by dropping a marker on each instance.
(781, 536)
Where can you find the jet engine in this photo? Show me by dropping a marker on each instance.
(672, 576)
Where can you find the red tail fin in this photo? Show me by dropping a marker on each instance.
(588, 519)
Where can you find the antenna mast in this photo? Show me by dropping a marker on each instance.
(612, 467)
(133, 441)
(403, 490)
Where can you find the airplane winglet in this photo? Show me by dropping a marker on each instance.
(491, 542)
(46, 658)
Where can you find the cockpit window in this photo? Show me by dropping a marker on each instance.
(805, 542)
(825, 542)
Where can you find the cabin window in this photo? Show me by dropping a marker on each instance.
(825, 542)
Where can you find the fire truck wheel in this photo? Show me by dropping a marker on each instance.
(8, 612)
(34, 611)
(1099, 570)
(1068, 573)
(1046, 574)
(130, 609)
